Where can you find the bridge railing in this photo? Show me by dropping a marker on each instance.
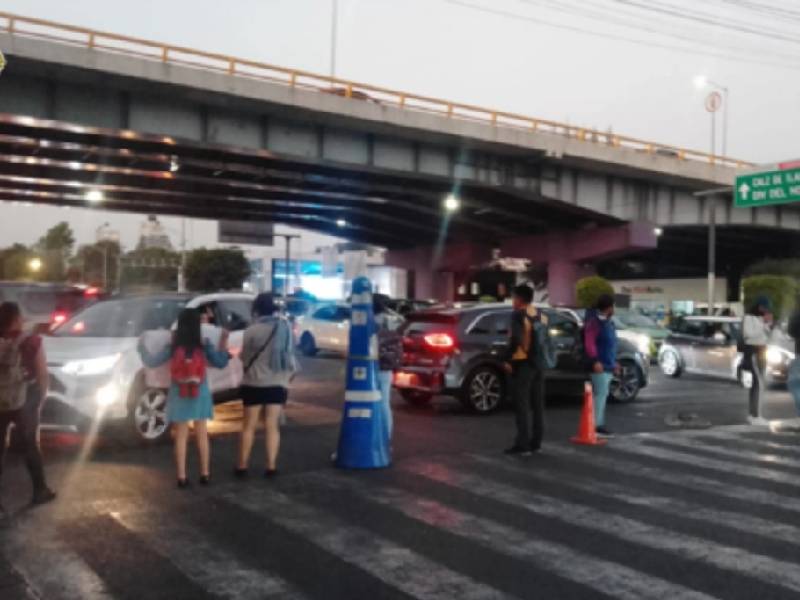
(110, 42)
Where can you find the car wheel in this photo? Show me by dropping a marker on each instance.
(484, 390)
(625, 386)
(670, 363)
(148, 414)
(416, 398)
(307, 344)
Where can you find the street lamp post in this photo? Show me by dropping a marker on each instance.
(334, 34)
(713, 103)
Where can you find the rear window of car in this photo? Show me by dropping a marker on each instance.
(122, 318)
(432, 317)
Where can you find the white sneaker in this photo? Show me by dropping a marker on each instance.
(757, 421)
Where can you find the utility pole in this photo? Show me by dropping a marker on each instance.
(334, 34)
(182, 272)
(288, 237)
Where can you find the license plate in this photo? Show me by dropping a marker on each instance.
(405, 379)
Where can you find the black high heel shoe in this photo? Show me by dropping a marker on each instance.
(205, 479)
(240, 473)
(183, 484)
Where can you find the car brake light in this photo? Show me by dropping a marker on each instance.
(57, 318)
(91, 292)
(440, 341)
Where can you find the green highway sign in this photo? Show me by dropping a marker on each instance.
(778, 185)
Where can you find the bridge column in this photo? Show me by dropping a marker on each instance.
(567, 254)
(435, 273)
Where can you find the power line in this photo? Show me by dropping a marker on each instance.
(619, 20)
(618, 38)
(764, 8)
(699, 17)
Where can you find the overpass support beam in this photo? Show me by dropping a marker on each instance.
(434, 273)
(567, 254)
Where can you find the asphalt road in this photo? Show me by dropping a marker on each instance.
(706, 511)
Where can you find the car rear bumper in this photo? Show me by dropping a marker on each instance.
(418, 379)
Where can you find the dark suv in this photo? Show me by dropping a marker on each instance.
(457, 352)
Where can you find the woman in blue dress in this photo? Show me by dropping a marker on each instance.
(189, 402)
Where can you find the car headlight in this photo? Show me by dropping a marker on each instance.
(90, 366)
(643, 344)
(107, 395)
(777, 355)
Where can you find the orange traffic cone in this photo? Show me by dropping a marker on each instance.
(586, 430)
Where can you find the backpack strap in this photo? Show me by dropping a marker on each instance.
(262, 348)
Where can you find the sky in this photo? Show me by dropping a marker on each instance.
(628, 65)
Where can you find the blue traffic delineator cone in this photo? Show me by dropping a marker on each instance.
(363, 439)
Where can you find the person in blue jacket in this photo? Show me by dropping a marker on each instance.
(600, 344)
(187, 403)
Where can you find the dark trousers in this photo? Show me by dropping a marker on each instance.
(527, 392)
(26, 422)
(755, 359)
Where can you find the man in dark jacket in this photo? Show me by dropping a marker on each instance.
(527, 382)
(600, 344)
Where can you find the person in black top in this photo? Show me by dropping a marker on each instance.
(526, 381)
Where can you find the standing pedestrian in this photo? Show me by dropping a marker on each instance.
(756, 332)
(390, 355)
(600, 347)
(269, 367)
(527, 379)
(189, 399)
(23, 390)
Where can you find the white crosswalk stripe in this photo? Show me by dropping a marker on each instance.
(684, 478)
(49, 566)
(202, 560)
(733, 559)
(596, 573)
(791, 449)
(392, 563)
(684, 456)
(624, 513)
(742, 453)
(669, 505)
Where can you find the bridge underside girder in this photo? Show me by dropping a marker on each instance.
(50, 162)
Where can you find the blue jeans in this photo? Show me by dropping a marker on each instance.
(794, 382)
(385, 382)
(600, 385)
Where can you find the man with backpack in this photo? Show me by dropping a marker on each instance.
(523, 362)
(600, 348)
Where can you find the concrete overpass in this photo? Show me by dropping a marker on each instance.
(158, 128)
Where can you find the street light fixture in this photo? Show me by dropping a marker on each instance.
(94, 196)
(35, 264)
(341, 223)
(452, 203)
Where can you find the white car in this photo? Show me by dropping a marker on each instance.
(328, 329)
(95, 369)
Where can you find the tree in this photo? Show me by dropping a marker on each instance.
(216, 269)
(781, 291)
(55, 247)
(150, 269)
(589, 289)
(97, 264)
(15, 262)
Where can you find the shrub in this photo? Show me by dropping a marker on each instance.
(589, 289)
(780, 290)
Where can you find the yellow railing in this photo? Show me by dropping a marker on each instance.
(295, 78)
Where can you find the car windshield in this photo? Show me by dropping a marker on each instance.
(122, 318)
(634, 319)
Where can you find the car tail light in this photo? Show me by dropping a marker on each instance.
(57, 318)
(440, 341)
(91, 292)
